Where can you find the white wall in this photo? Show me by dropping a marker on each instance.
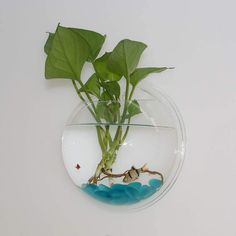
(197, 37)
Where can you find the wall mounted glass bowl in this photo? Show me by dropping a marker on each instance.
(156, 138)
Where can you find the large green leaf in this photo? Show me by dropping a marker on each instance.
(67, 56)
(113, 88)
(92, 86)
(114, 108)
(103, 111)
(125, 57)
(105, 96)
(100, 66)
(93, 39)
(48, 44)
(133, 109)
(108, 112)
(141, 73)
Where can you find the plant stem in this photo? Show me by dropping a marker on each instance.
(125, 108)
(102, 82)
(126, 131)
(127, 128)
(126, 100)
(109, 155)
(107, 134)
(131, 93)
(117, 139)
(87, 94)
(98, 128)
(81, 97)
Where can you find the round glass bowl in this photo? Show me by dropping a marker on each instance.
(145, 165)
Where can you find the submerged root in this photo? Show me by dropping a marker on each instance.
(129, 175)
(111, 175)
(93, 180)
(107, 174)
(155, 173)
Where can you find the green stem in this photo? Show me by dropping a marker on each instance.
(102, 83)
(100, 140)
(98, 128)
(109, 156)
(126, 131)
(81, 97)
(107, 134)
(131, 93)
(118, 135)
(126, 102)
(128, 127)
(119, 129)
(113, 151)
(87, 94)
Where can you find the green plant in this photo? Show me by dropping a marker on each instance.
(68, 49)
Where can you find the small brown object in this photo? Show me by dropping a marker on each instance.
(77, 167)
(129, 175)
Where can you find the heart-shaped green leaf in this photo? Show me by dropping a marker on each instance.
(112, 88)
(92, 86)
(48, 44)
(105, 96)
(103, 111)
(93, 39)
(133, 109)
(141, 73)
(108, 111)
(125, 57)
(114, 110)
(67, 56)
(100, 66)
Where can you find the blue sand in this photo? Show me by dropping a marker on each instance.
(103, 187)
(119, 194)
(132, 192)
(135, 185)
(147, 191)
(90, 188)
(155, 183)
(118, 186)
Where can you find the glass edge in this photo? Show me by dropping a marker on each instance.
(136, 207)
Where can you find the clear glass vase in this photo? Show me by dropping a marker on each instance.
(141, 167)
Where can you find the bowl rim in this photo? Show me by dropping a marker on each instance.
(156, 197)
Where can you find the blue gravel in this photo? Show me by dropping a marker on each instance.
(155, 183)
(120, 194)
(135, 185)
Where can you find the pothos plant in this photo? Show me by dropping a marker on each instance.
(68, 49)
